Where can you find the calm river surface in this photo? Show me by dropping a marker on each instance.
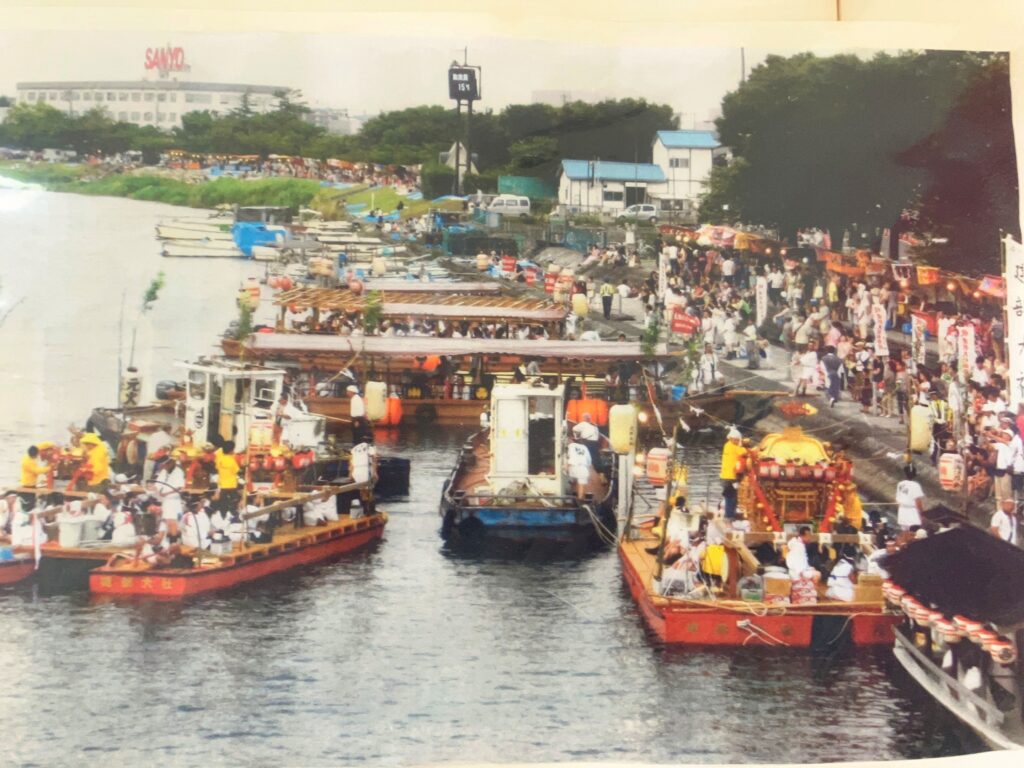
(401, 654)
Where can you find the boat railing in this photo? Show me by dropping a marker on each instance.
(982, 709)
(479, 500)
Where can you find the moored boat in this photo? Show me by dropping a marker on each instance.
(701, 580)
(520, 480)
(959, 594)
(288, 545)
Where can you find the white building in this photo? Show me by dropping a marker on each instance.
(448, 158)
(598, 186)
(159, 103)
(687, 158)
(336, 121)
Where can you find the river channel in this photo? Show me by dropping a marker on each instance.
(401, 654)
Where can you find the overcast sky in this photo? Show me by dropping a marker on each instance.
(367, 75)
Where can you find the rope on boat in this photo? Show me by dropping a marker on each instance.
(607, 536)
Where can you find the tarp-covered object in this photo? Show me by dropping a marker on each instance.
(963, 571)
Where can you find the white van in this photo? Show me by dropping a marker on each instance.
(510, 205)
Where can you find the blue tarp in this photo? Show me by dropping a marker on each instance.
(249, 233)
(442, 198)
(355, 207)
(417, 195)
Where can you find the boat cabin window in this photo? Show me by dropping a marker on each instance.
(197, 385)
(541, 437)
(264, 392)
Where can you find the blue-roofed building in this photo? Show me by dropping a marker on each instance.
(687, 158)
(602, 186)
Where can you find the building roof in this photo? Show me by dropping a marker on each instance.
(602, 170)
(688, 139)
(159, 85)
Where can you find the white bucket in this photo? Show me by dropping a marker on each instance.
(70, 533)
(90, 529)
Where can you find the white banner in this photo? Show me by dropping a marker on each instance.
(947, 348)
(1014, 278)
(918, 326)
(965, 349)
(761, 295)
(879, 318)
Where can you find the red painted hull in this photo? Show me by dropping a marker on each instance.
(13, 571)
(174, 584)
(691, 625)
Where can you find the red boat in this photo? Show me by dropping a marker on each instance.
(19, 568)
(290, 548)
(734, 591)
(734, 622)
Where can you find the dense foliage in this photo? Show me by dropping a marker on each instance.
(817, 141)
(522, 139)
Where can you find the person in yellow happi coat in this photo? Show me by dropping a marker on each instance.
(97, 458)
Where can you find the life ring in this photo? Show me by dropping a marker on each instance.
(426, 414)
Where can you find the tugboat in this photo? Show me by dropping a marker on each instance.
(704, 580)
(959, 596)
(522, 479)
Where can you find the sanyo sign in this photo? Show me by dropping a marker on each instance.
(166, 60)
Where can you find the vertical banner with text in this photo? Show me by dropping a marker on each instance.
(947, 343)
(965, 349)
(1014, 279)
(918, 327)
(761, 295)
(878, 317)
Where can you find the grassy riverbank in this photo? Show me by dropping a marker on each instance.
(200, 193)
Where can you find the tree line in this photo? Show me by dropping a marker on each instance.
(850, 144)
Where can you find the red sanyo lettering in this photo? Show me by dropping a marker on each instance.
(165, 59)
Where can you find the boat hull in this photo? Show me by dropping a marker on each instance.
(690, 623)
(16, 570)
(318, 545)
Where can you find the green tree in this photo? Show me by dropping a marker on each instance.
(35, 126)
(818, 136)
(971, 191)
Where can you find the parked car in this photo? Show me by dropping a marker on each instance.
(510, 205)
(639, 212)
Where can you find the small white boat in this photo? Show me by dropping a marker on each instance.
(348, 239)
(188, 231)
(196, 248)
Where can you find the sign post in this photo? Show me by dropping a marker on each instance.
(463, 86)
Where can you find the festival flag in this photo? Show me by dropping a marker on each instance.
(879, 316)
(761, 296)
(946, 344)
(993, 286)
(1014, 284)
(965, 351)
(918, 327)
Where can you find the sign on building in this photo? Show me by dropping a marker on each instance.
(166, 60)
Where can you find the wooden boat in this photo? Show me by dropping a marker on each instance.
(291, 546)
(511, 484)
(790, 481)
(958, 594)
(18, 568)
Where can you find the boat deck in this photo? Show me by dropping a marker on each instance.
(291, 546)
(720, 621)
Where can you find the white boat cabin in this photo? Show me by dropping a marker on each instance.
(527, 438)
(226, 400)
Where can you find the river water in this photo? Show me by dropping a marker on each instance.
(400, 654)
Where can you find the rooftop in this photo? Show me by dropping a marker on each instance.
(159, 85)
(689, 139)
(603, 170)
